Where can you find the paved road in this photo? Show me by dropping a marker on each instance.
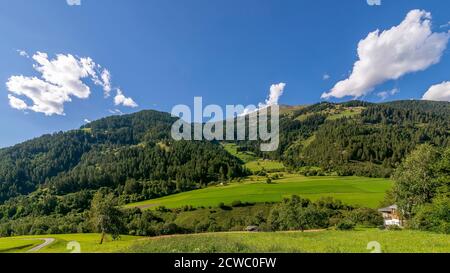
(47, 241)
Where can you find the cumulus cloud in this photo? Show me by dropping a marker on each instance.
(121, 99)
(438, 92)
(61, 79)
(73, 2)
(388, 55)
(276, 91)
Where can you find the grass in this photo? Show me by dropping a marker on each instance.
(89, 243)
(327, 241)
(297, 242)
(16, 246)
(308, 141)
(236, 216)
(243, 156)
(335, 113)
(351, 190)
(347, 113)
(268, 165)
(252, 162)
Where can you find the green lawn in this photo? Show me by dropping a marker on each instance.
(351, 190)
(297, 242)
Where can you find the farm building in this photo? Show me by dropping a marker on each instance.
(391, 216)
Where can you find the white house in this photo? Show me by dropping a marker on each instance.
(391, 216)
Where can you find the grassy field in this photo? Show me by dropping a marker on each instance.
(268, 165)
(297, 242)
(8, 245)
(346, 113)
(335, 113)
(240, 242)
(252, 162)
(243, 156)
(351, 190)
(88, 242)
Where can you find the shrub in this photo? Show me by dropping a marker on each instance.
(236, 203)
(345, 225)
(393, 228)
(433, 217)
(224, 207)
(297, 214)
(366, 217)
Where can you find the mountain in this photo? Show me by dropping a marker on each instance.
(135, 152)
(357, 137)
(108, 152)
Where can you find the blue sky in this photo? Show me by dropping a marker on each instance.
(162, 53)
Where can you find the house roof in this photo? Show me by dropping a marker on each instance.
(389, 209)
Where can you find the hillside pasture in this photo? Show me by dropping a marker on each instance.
(368, 192)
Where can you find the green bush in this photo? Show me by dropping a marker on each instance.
(366, 217)
(345, 225)
(393, 228)
(433, 217)
(236, 203)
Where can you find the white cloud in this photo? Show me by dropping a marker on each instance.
(408, 47)
(326, 77)
(66, 71)
(23, 53)
(120, 99)
(445, 25)
(115, 111)
(17, 103)
(438, 92)
(386, 94)
(87, 120)
(106, 82)
(61, 79)
(73, 2)
(374, 2)
(276, 91)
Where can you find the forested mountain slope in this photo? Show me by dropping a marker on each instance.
(109, 151)
(358, 137)
(348, 138)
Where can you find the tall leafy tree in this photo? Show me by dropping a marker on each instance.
(105, 216)
(416, 180)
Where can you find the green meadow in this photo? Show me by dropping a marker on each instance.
(245, 157)
(327, 241)
(268, 165)
(88, 243)
(351, 190)
(11, 245)
(297, 242)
